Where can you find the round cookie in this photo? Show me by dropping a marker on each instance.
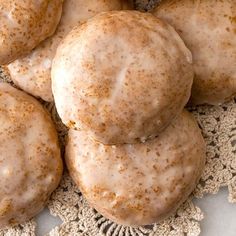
(138, 184)
(33, 72)
(24, 24)
(125, 74)
(210, 33)
(30, 160)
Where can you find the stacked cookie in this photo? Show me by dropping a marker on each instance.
(120, 83)
(120, 80)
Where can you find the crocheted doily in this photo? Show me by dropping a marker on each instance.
(218, 124)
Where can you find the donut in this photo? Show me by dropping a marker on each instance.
(209, 30)
(122, 77)
(143, 183)
(24, 24)
(32, 73)
(30, 160)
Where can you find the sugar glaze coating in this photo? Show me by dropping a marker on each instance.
(30, 161)
(32, 73)
(209, 30)
(138, 184)
(124, 74)
(24, 24)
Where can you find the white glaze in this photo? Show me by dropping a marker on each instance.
(112, 68)
(30, 162)
(24, 24)
(138, 184)
(209, 30)
(33, 72)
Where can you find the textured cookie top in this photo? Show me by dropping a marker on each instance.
(209, 30)
(24, 24)
(33, 72)
(138, 184)
(30, 162)
(122, 76)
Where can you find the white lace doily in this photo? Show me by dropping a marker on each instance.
(218, 125)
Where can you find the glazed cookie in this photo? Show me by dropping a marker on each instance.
(210, 33)
(24, 24)
(30, 162)
(33, 72)
(138, 184)
(124, 74)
